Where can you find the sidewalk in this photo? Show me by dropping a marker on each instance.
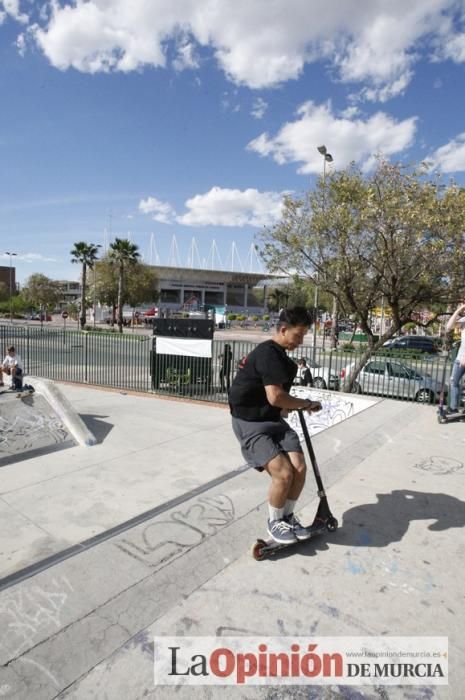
(83, 626)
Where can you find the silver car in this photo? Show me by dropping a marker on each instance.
(391, 378)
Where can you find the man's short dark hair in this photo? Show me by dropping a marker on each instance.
(295, 316)
(11, 348)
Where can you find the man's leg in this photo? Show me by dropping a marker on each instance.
(282, 476)
(457, 373)
(17, 378)
(299, 473)
(297, 460)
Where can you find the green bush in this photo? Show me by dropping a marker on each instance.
(101, 329)
(266, 317)
(254, 318)
(231, 317)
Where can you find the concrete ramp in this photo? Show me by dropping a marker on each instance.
(39, 423)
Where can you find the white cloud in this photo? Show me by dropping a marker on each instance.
(186, 57)
(12, 8)
(36, 257)
(258, 44)
(450, 158)
(350, 112)
(384, 93)
(29, 257)
(454, 48)
(347, 140)
(259, 108)
(160, 211)
(229, 101)
(227, 207)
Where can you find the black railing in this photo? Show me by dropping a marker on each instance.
(130, 362)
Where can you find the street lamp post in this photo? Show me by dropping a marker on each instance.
(328, 158)
(95, 282)
(11, 292)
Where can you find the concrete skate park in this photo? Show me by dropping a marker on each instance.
(127, 517)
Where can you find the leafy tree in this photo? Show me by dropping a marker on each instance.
(40, 291)
(4, 292)
(141, 284)
(124, 254)
(394, 234)
(298, 292)
(104, 284)
(85, 254)
(277, 298)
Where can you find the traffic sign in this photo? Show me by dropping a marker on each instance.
(64, 315)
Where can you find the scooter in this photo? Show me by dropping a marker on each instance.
(443, 415)
(324, 520)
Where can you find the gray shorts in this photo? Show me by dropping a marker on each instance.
(261, 441)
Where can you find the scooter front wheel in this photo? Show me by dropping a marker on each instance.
(332, 524)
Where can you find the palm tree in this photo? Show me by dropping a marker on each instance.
(86, 255)
(123, 253)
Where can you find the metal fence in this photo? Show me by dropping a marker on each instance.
(130, 362)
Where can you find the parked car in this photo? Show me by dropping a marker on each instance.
(387, 377)
(151, 312)
(345, 325)
(395, 379)
(322, 377)
(42, 316)
(419, 343)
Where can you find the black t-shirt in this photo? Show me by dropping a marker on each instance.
(267, 364)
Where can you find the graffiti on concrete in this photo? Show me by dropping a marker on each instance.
(25, 427)
(162, 540)
(335, 409)
(439, 465)
(29, 611)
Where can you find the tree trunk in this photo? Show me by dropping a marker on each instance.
(334, 329)
(83, 296)
(120, 299)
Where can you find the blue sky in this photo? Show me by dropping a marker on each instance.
(179, 124)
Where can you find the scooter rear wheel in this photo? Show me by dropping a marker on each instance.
(257, 550)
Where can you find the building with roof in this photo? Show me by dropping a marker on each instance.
(5, 271)
(238, 291)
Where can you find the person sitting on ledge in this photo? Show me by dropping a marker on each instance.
(13, 367)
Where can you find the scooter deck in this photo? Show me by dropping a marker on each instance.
(449, 417)
(267, 548)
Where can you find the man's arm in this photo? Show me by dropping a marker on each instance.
(453, 319)
(279, 398)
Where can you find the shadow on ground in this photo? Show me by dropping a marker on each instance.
(97, 426)
(386, 521)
